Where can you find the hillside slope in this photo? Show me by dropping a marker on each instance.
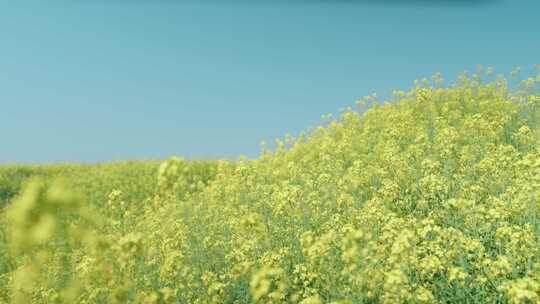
(431, 198)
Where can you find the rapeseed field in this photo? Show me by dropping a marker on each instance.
(430, 197)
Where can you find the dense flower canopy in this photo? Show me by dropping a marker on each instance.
(431, 197)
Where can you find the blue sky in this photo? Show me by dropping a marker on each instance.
(104, 80)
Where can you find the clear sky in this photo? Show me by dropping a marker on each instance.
(108, 80)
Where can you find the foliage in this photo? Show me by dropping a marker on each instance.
(432, 197)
